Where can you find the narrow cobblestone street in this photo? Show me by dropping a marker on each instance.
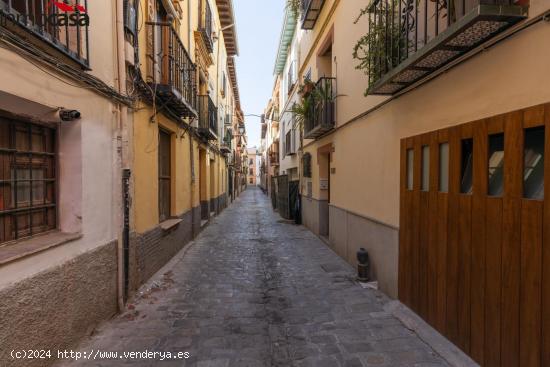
(253, 290)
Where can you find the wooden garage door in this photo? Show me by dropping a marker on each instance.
(475, 235)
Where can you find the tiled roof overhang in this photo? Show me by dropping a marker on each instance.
(227, 21)
(287, 33)
(233, 77)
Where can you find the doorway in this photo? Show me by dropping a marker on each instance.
(324, 157)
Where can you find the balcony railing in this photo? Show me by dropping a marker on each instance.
(208, 118)
(321, 117)
(42, 19)
(409, 39)
(205, 26)
(310, 12)
(225, 146)
(171, 73)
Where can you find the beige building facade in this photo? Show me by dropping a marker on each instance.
(63, 107)
(252, 167)
(372, 166)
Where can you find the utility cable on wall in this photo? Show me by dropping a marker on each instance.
(9, 40)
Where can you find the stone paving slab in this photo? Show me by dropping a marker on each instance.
(256, 291)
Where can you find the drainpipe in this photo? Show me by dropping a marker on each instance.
(191, 150)
(122, 173)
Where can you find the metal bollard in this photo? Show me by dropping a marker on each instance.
(363, 265)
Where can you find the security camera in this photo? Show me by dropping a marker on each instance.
(69, 115)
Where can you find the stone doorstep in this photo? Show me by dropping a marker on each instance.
(446, 350)
(33, 245)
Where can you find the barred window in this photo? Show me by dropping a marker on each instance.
(307, 165)
(27, 180)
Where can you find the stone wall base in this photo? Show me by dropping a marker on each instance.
(347, 232)
(54, 309)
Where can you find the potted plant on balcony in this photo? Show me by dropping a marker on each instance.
(303, 111)
(306, 87)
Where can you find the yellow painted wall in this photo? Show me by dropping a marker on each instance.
(145, 202)
(185, 192)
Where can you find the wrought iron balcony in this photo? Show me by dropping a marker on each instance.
(225, 146)
(61, 27)
(409, 39)
(310, 12)
(170, 72)
(321, 117)
(208, 118)
(205, 26)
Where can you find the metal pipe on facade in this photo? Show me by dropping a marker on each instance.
(122, 171)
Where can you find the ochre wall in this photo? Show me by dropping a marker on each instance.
(145, 198)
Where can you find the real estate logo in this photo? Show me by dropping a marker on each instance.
(59, 14)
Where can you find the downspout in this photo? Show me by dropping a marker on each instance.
(218, 101)
(122, 173)
(191, 150)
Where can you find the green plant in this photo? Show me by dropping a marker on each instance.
(302, 111)
(390, 37)
(378, 50)
(294, 6)
(306, 87)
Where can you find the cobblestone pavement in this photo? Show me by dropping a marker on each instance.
(253, 290)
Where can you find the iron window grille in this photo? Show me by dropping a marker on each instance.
(27, 180)
(39, 18)
(409, 39)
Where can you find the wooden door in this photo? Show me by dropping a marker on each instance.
(474, 246)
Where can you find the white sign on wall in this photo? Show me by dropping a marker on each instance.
(323, 184)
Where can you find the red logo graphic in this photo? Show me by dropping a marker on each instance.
(68, 8)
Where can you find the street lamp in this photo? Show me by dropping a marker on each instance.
(241, 129)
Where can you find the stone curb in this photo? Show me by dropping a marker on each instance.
(448, 351)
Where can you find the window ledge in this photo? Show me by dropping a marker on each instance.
(169, 224)
(30, 246)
